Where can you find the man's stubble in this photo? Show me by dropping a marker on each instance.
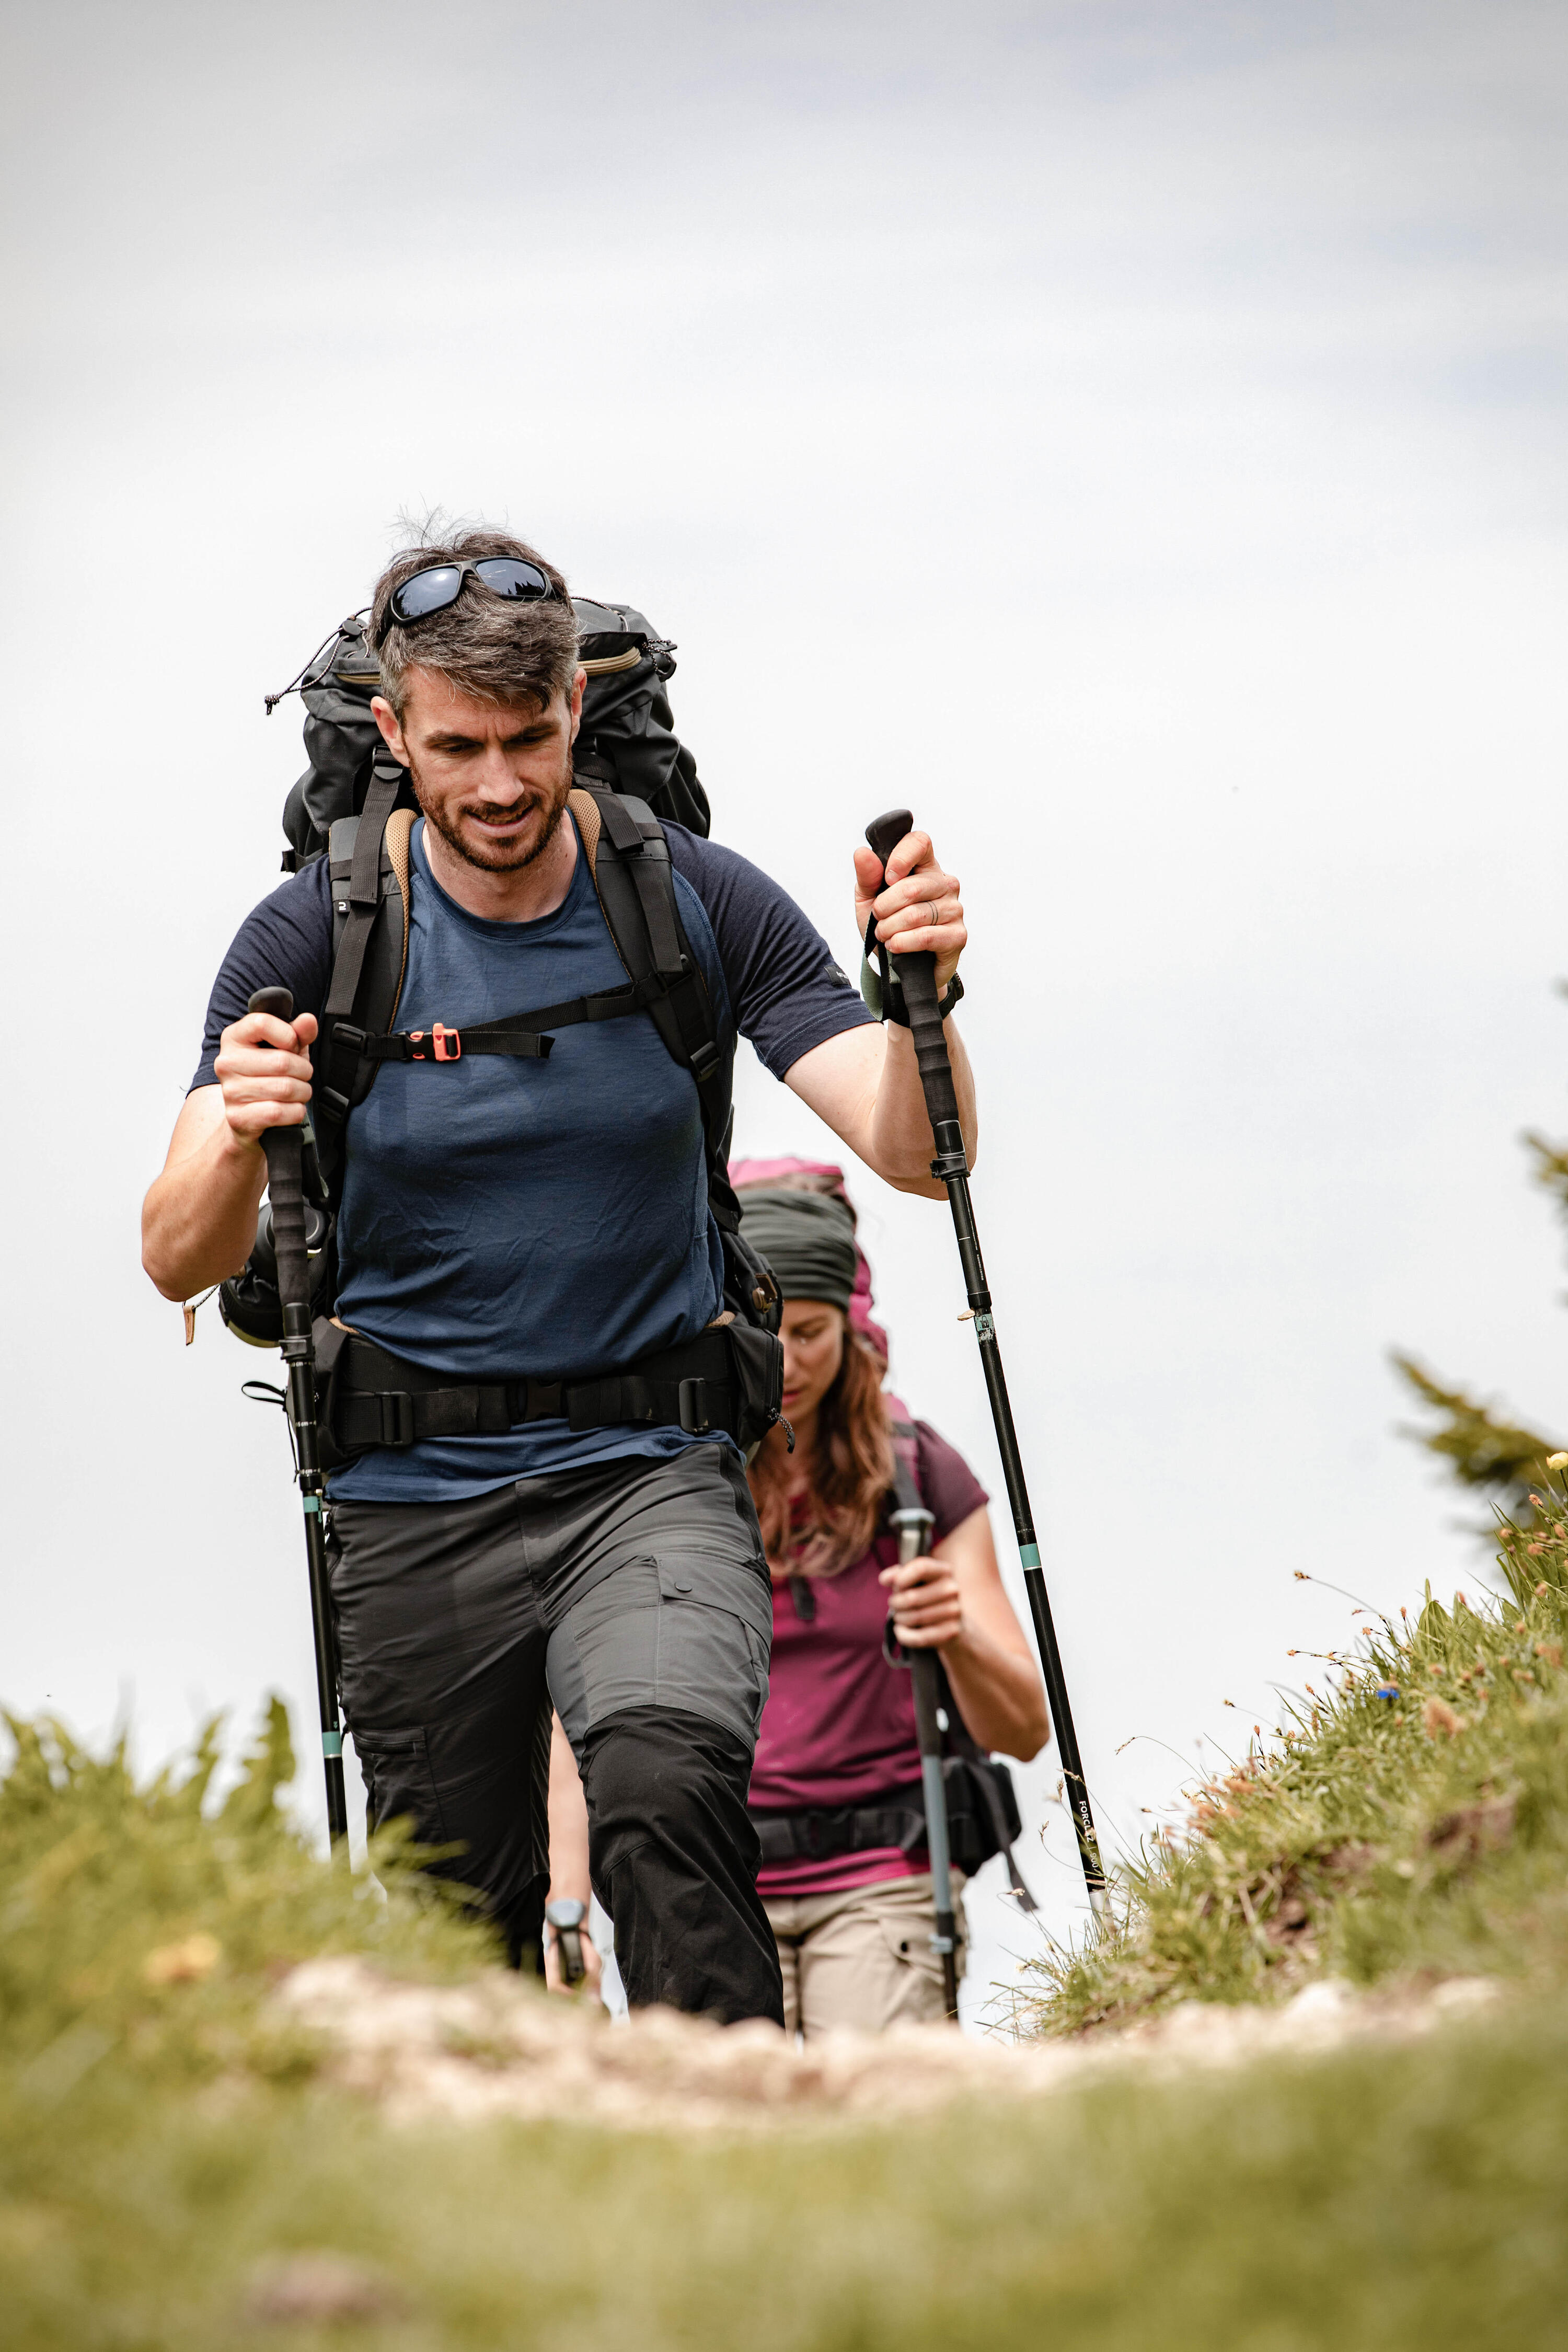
(505, 861)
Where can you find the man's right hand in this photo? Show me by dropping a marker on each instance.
(264, 1074)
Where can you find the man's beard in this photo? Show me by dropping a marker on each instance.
(503, 857)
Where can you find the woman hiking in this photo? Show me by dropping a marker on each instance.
(835, 1792)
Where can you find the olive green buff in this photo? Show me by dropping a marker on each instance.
(807, 1239)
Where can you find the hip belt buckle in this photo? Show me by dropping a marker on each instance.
(694, 1418)
(396, 1416)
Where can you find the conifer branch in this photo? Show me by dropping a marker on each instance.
(1479, 1446)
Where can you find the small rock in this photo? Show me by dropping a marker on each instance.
(316, 2289)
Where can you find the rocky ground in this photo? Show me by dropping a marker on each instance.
(496, 2047)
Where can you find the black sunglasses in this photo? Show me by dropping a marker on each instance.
(507, 577)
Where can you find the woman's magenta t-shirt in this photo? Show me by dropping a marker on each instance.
(839, 1724)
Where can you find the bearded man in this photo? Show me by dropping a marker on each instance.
(519, 1222)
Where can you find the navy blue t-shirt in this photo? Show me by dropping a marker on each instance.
(511, 1220)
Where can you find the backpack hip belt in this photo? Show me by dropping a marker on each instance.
(818, 1835)
(727, 1378)
(982, 1820)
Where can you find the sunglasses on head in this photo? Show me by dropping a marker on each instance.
(507, 577)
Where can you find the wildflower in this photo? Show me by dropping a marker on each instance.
(1541, 1590)
(1438, 1715)
(1388, 1690)
(1557, 1461)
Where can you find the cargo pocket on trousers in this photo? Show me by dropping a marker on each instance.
(908, 1929)
(715, 1637)
(399, 1781)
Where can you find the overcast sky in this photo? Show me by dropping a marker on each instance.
(1131, 435)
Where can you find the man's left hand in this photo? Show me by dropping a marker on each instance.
(917, 904)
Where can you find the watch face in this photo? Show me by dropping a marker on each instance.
(566, 1913)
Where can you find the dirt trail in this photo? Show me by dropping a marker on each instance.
(496, 2047)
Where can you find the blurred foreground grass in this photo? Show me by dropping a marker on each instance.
(160, 2140)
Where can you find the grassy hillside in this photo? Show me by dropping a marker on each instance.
(161, 2142)
(1413, 1820)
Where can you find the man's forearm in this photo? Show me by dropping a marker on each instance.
(198, 1223)
(901, 1135)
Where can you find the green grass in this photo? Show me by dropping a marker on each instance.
(1381, 1838)
(159, 2138)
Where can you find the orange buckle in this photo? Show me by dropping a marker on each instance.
(448, 1043)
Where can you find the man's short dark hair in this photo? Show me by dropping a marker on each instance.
(485, 645)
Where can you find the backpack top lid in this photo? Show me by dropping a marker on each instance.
(628, 738)
(626, 741)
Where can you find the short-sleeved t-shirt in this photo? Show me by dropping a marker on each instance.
(508, 1219)
(839, 1726)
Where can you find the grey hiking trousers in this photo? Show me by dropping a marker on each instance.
(635, 1595)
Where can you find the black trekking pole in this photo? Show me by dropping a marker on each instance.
(286, 1191)
(914, 1524)
(917, 972)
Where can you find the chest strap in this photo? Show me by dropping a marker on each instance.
(369, 1397)
(522, 1036)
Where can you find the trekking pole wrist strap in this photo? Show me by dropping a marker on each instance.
(881, 984)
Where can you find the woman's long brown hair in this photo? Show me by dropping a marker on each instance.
(833, 1524)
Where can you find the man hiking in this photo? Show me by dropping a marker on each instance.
(532, 1223)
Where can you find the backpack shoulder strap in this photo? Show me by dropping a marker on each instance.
(905, 1496)
(628, 858)
(399, 830)
(370, 867)
(905, 1491)
(585, 809)
(906, 1459)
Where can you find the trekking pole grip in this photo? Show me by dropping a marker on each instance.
(286, 1180)
(917, 972)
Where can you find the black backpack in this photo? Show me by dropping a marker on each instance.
(626, 741)
(354, 805)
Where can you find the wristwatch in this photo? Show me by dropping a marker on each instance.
(566, 1916)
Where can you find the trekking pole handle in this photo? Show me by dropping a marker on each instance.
(286, 1179)
(917, 972)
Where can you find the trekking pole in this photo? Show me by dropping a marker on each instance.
(914, 1525)
(917, 972)
(285, 1190)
